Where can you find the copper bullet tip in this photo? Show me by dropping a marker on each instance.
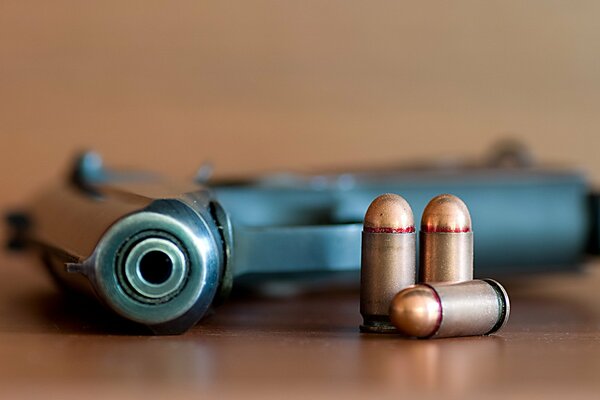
(416, 311)
(446, 213)
(389, 213)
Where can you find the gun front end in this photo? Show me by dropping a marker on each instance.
(155, 255)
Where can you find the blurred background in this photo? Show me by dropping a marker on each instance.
(265, 85)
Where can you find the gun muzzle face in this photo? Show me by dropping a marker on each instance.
(154, 269)
(161, 269)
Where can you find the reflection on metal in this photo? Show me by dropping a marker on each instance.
(154, 269)
(388, 262)
(477, 307)
(446, 240)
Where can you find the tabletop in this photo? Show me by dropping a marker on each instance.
(303, 343)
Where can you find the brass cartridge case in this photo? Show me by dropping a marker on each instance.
(388, 262)
(446, 241)
(477, 307)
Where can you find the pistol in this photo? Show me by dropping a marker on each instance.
(161, 253)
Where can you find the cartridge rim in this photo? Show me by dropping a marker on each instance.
(504, 302)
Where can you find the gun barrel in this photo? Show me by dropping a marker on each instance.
(153, 257)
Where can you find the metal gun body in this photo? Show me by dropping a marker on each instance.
(160, 253)
(154, 253)
(525, 221)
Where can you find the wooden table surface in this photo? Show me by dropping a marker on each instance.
(301, 346)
